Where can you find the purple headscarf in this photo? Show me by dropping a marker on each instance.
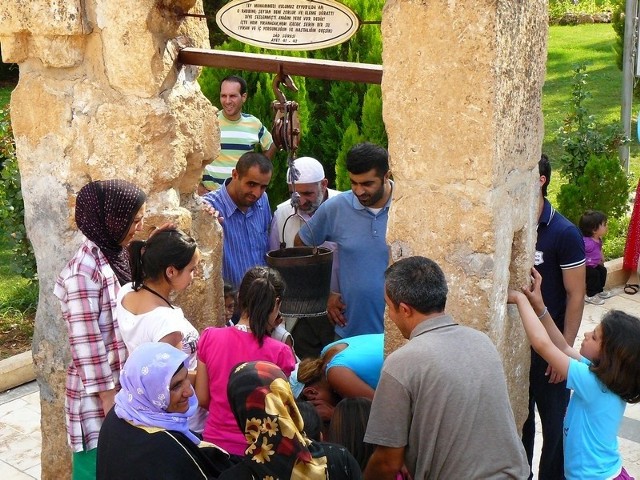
(105, 210)
(145, 380)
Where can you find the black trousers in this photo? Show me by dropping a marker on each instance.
(596, 278)
(552, 400)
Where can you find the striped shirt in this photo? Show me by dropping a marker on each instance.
(245, 234)
(236, 138)
(87, 289)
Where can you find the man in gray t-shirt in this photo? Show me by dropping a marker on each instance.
(441, 407)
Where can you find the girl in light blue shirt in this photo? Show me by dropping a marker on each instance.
(604, 376)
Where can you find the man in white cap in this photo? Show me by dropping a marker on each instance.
(310, 334)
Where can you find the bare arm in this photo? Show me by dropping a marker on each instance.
(538, 336)
(174, 339)
(347, 384)
(270, 152)
(385, 463)
(201, 386)
(298, 241)
(107, 397)
(534, 296)
(575, 284)
(543, 334)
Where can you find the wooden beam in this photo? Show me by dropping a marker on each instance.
(305, 67)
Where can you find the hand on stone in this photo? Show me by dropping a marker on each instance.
(336, 309)
(534, 292)
(213, 212)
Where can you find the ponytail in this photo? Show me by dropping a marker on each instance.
(310, 370)
(260, 302)
(260, 288)
(135, 260)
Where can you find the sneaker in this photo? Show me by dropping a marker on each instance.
(605, 294)
(595, 300)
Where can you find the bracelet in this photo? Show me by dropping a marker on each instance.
(544, 312)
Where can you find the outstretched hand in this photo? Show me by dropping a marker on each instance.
(213, 212)
(534, 292)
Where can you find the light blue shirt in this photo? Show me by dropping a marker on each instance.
(364, 256)
(591, 426)
(246, 241)
(364, 356)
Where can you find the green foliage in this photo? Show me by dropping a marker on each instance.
(327, 109)
(614, 241)
(617, 22)
(603, 186)
(595, 178)
(211, 7)
(569, 46)
(557, 8)
(350, 138)
(581, 136)
(372, 127)
(12, 205)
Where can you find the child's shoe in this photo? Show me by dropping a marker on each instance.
(595, 300)
(605, 294)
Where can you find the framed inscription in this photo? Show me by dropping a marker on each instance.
(288, 24)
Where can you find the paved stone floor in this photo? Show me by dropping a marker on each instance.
(20, 439)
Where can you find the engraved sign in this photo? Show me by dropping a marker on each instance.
(288, 24)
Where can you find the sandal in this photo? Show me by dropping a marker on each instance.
(631, 288)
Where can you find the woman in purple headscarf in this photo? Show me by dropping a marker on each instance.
(146, 435)
(108, 213)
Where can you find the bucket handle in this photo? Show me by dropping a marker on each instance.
(295, 213)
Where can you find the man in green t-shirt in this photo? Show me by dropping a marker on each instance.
(239, 133)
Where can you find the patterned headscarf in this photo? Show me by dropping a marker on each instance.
(105, 210)
(264, 407)
(145, 380)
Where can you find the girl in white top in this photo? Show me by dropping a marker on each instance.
(163, 264)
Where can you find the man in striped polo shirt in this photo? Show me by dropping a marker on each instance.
(239, 133)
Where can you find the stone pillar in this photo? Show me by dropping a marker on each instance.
(461, 89)
(101, 96)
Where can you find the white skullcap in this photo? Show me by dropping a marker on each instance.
(309, 169)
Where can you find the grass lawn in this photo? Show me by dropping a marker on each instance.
(569, 46)
(18, 297)
(18, 302)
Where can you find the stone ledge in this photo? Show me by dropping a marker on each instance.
(615, 275)
(16, 370)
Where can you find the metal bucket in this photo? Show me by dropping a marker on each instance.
(307, 273)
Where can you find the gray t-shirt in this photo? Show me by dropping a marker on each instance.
(443, 397)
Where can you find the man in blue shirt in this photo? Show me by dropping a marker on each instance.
(560, 259)
(243, 209)
(357, 222)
